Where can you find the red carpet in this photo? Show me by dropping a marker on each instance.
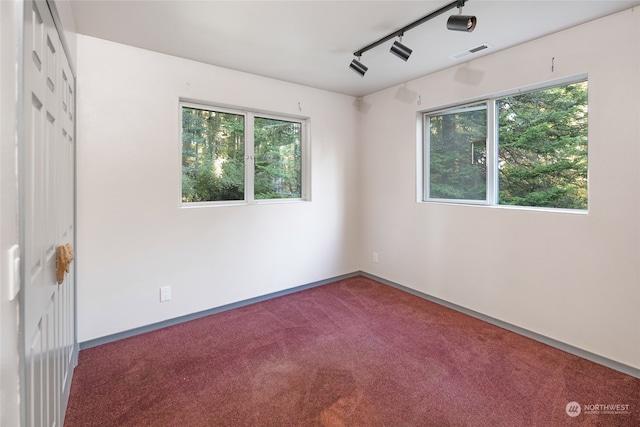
(350, 353)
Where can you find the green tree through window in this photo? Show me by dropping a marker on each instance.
(543, 148)
(212, 156)
(218, 156)
(457, 154)
(278, 160)
(540, 150)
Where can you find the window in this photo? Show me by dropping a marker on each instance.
(277, 154)
(457, 153)
(526, 149)
(236, 156)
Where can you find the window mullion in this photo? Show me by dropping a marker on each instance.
(249, 160)
(426, 160)
(492, 153)
(306, 163)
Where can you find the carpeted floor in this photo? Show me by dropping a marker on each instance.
(350, 353)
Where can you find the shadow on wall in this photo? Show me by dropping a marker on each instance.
(468, 76)
(406, 95)
(361, 106)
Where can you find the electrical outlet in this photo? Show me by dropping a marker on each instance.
(375, 257)
(165, 293)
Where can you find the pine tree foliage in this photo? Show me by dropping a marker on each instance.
(213, 157)
(542, 149)
(278, 159)
(457, 154)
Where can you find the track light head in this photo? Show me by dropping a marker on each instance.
(461, 23)
(358, 67)
(400, 50)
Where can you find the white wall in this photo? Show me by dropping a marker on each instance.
(133, 237)
(67, 20)
(10, 17)
(571, 277)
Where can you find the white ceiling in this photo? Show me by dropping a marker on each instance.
(312, 42)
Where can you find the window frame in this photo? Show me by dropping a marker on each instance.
(249, 143)
(469, 106)
(492, 144)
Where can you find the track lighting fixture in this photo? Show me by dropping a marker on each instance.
(461, 22)
(456, 22)
(358, 66)
(400, 50)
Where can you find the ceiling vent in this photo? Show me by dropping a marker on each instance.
(474, 50)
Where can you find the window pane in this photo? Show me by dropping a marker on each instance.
(277, 153)
(212, 156)
(457, 154)
(543, 148)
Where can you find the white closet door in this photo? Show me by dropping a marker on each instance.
(47, 163)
